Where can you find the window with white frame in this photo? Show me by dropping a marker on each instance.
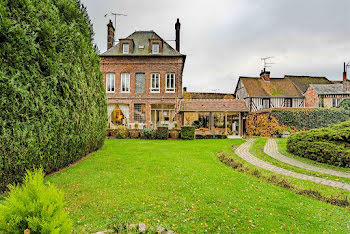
(155, 83)
(170, 83)
(155, 48)
(125, 83)
(288, 102)
(126, 47)
(110, 82)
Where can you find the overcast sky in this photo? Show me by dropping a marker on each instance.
(225, 39)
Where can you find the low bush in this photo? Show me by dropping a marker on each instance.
(162, 133)
(134, 133)
(327, 145)
(34, 207)
(345, 104)
(211, 136)
(148, 133)
(174, 133)
(121, 132)
(187, 133)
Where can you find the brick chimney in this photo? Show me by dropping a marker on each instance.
(110, 35)
(265, 75)
(344, 73)
(177, 39)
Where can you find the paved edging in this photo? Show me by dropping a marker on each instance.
(271, 149)
(243, 152)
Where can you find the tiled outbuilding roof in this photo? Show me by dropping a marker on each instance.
(141, 46)
(276, 87)
(329, 89)
(215, 105)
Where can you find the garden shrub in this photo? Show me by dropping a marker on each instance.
(174, 133)
(148, 133)
(345, 104)
(134, 133)
(121, 132)
(187, 133)
(34, 206)
(272, 122)
(162, 133)
(52, 99)
(327, 145)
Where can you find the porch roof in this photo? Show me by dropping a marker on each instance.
(213, 105)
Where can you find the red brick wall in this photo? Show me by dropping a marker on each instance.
(145, 65)
(311, 98)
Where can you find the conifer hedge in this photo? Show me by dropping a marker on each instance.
(52, 98)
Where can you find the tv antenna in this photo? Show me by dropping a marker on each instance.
(115, 17)
(267, 62)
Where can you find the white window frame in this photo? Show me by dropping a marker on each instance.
(336, 101)
(153, 88)
(153, 50)
(110, 80)
(169, 89)
(126, 48)
(125, 77)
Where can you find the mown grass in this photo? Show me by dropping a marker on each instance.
(182, 186)
(282, 147)
(257, 150)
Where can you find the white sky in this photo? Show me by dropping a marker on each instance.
(225, 39)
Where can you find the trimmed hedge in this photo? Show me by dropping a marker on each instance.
(148, 133)
(52, 97)
(328, 145)
(162, 133)
(187, 133)
(345, 104)
(268, 123)
(211, 136)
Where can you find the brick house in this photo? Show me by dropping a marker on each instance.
(143, 79)
(264, 92)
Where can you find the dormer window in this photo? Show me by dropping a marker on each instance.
(126, 48)
(155, 48)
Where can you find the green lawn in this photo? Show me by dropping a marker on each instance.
(181, 185)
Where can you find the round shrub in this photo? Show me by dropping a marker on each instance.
(121, 132)
(148, 133)
(345, 104)
(34, 206)
(52, 97)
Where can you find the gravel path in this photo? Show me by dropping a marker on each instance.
(243, 152)
(271, 149)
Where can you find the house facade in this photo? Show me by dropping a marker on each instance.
(264, 92)
(326, 95)
(143, 79)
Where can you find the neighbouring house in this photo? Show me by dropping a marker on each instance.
(143, 79)
(265, 92)
(328, 95)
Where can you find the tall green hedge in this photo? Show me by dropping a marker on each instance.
(310, 118)
(328, 145)
(52, 98)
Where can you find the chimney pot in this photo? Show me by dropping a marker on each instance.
(344, 73)
(177, 32)
(265, 75)
(185, 89)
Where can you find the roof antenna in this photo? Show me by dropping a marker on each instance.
(115, 17)
(267, 62)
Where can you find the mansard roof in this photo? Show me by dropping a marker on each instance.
(141, 45)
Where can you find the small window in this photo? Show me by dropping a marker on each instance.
(155, 48)
(170, 83)
(288, 102)
(126, 47)
(266, 103)
(335, 102)
(125, 83)
(110, 82)
(155, 83)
